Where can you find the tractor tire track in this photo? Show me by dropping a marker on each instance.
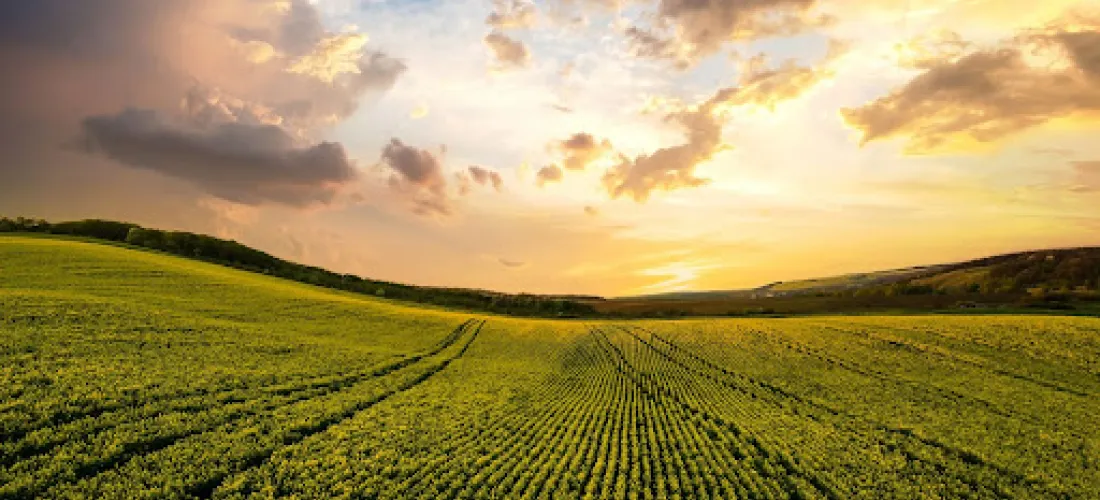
(632, 374)
(152, 444)
(901, 344)
(146, 402)
(962, 455)
(207, 488)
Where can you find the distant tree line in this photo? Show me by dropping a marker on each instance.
(1040, 274)
(1048, 279)
(233, 254)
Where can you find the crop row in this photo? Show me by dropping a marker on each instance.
(742, 403)
(189, 451)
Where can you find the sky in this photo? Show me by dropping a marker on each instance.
(609, 147)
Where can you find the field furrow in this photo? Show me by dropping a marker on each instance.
(153, 377)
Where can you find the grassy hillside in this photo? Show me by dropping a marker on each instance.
(233, 254)
(139, 320)
(1040, 281)
(849, 281)
(1056, 280)
(130, 374)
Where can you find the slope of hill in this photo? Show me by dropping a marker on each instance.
(1056, 279)
(134, 374)
(811, 285)
(233, 254)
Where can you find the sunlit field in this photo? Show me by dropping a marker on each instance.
(131, 374)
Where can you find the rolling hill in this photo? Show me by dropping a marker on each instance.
(133, 374)
(1054, 280)
(233, 254)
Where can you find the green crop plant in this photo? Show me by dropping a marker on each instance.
(135, 374)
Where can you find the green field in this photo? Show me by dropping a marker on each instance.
(131, 374)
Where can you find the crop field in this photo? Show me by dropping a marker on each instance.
(132, 374)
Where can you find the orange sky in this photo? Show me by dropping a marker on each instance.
(565, 147)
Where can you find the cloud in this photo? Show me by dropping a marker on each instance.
(478, 175)
(927, 51)
(646, 43)
(256, 85)
(766, 87)
(512, 14)
(484, 176)
(548, 174)
(247, 163)
(508, 52)
(334, 55)
(685, 31)
(417, 174)
(989, 94)
(204, 106)
(581, 150)
(671, 167)
(577, 152)
(320, 104)
(256, 52)
(512, 264)
(674, 167)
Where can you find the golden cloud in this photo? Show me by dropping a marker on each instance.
(333, 56)
(548, 174)
(512, 14)
(508, 52)
(581, 150)
(686, 31)
(675, 167)
(963, 101)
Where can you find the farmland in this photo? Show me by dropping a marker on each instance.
(131, 373)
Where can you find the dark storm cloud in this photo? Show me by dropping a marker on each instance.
(244, 163)
(84, 69)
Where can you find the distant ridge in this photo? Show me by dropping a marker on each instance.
(1089, 265)
(1050, 280)
(1059, 279)
(233, 254)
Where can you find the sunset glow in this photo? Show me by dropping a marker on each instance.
(569, 146)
